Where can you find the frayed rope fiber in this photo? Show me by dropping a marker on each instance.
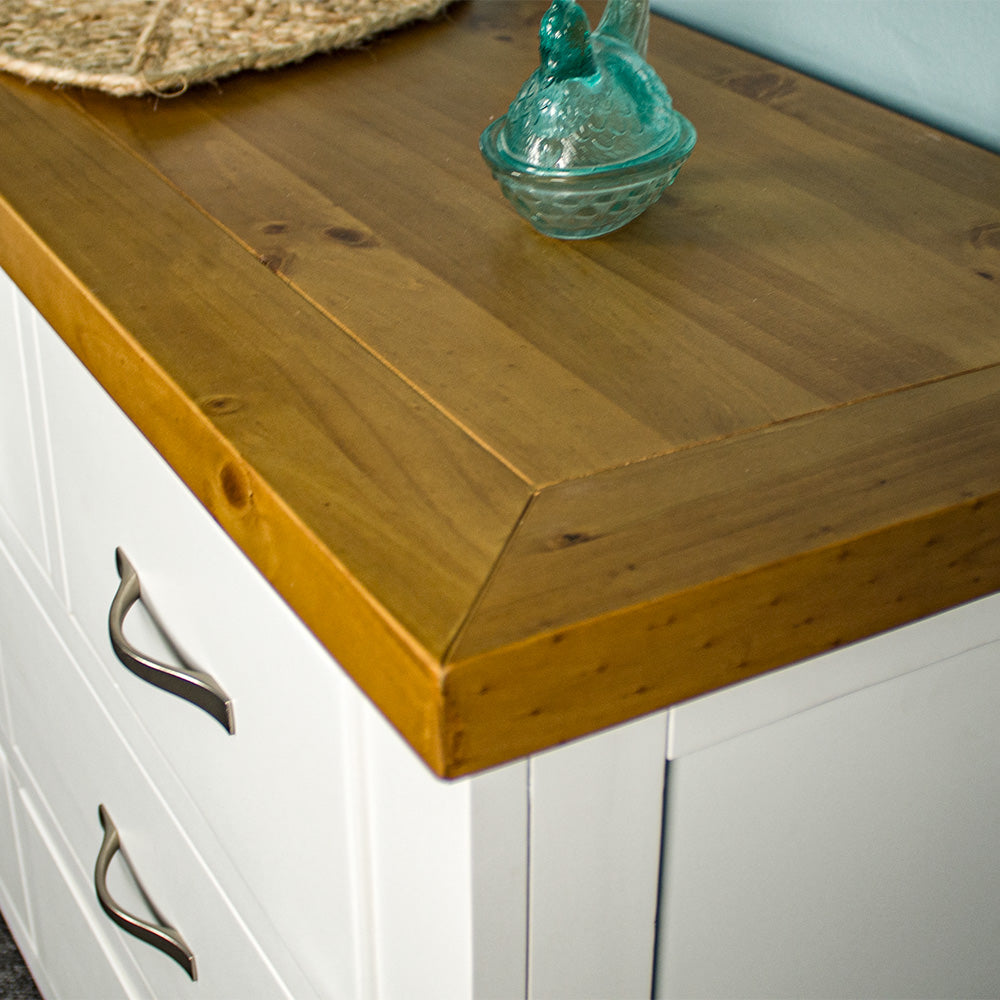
(130, 47)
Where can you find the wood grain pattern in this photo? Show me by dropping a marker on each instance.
(757, 296)
(708, 513)
(524, 489)
(511, 396)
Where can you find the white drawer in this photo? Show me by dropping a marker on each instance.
(288, 758)
(71, 756)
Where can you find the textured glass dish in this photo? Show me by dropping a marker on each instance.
(591, 140)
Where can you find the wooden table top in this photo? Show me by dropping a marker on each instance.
(524, 489)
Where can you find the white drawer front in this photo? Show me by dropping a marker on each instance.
(70, 752)
(288, 758)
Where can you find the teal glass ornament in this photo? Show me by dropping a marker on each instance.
(592, 139)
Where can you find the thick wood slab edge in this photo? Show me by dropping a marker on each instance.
(683, 519)
(574, 681)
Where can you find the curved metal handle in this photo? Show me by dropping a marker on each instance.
(160, 935)
(186, 681)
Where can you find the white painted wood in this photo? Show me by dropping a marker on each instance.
(850, 850)
(499, 832)
(350, 722)
(195, 831)
(722, 715)
(13, 893)
(20, 483)
(596, 808)
(448, 875)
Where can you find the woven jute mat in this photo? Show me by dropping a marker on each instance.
(128, 47)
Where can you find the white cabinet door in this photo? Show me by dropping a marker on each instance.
(850, 850)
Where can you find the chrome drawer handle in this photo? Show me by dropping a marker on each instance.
(186, 681)
(160, 935)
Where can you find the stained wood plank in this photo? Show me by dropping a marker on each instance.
(552, 416)
(754, 293)
(395, 671)
(490, 380)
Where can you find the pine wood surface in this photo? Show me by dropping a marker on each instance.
(524, 489)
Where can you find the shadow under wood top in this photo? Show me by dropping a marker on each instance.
(525, 489)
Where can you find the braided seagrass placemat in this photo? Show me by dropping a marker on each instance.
(164, 46)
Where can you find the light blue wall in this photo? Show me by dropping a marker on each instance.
(937, 60)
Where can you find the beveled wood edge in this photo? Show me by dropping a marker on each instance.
(847, 472)
(574, 681)
(382, 658)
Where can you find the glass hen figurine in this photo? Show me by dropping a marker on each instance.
(591, 140)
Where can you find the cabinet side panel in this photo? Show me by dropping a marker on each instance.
(849, 850)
